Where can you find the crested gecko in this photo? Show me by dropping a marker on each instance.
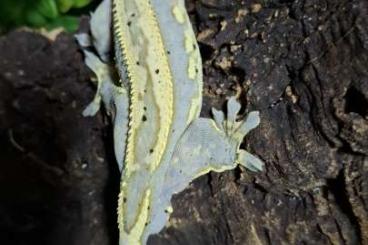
(153, 88)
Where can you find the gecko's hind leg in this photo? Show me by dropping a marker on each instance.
(105, 85)
(114, 96)
(100, 39)
(211, 145)
(207, 145)
(116, 101)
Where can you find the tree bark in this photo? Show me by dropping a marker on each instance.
(303, 64)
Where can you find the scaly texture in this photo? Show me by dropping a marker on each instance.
(149, 77)
(150, 86)
(167, 146)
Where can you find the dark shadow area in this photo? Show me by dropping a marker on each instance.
(356, 102)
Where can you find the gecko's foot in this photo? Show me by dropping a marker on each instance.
(105, 85)
(100, 40)
(237, 130)
(93, 62)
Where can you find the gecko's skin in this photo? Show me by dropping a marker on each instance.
(160, 142)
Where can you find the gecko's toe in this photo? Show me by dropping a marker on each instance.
(93, 107)
(251, 122)
(83, 39)
(233, 107)
(249, 161)
(219, 118)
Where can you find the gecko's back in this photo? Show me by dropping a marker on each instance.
(158, 55)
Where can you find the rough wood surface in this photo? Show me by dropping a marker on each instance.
(303, 64)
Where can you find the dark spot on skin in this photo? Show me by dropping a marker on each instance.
(144, 118)
(194, 46)
(145, 108)
(180, 171)
(129, 23)
(166, 211)
(196, 70)
(145, 90)
(151, 151)
(149, 207)
(132, 15)
(168, 52)
(124, 200)
(146, 224)
(157, 71)
(138, 63)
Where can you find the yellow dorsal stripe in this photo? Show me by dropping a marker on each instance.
(163, 90)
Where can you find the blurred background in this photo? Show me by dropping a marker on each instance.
(49, 14)
(58, 185)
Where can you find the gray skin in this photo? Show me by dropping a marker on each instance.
(201, 146)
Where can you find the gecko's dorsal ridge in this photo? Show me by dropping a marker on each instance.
(150, 82)
(144, 57)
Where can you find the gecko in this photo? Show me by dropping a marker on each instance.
(148, 67)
